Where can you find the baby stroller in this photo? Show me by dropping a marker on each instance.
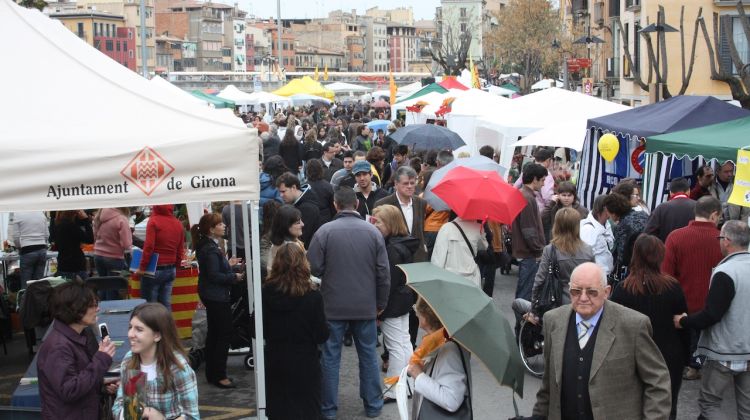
(242, 324)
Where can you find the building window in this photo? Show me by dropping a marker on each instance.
(80, 29)
(107, 27)
(463, 27)
(117, 46)
(130, 54)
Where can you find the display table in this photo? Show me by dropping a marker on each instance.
(184, 298)
(116, 313)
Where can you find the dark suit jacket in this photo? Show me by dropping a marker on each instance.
(417, 229)
(670, 216)
(628, 379)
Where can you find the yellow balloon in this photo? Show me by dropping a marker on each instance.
(609, 146)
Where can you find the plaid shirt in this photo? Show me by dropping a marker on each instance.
(182, 399)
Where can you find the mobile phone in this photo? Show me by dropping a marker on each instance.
(104, 330)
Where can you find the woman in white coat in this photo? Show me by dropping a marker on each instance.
(445, 378)
(452, 252)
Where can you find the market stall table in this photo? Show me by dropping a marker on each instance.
(116, 313)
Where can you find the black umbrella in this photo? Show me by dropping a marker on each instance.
(428, 137)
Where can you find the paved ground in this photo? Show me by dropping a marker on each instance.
(490, 400)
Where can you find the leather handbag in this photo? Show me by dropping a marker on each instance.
(550, 297)
(428, 410)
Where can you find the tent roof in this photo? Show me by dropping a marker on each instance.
(434, 87)
(570, 134)
(452, 83)
(546, 84)
(716, 141)
(346, 87)
(511, 86)
(117, 130)
(235, 95)
(304, 85)
(267, 97)
(409, 89)
(674, 114)
(215, 100)
(180, 96)
(497, 90)
(469, 102)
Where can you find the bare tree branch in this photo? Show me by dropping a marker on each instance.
(686, 78)
(635, 74)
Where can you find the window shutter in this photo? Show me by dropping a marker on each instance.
(725, 31)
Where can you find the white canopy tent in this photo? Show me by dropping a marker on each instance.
(413, 117)
(347, 89)
(119, 142)
(546, 84)
(307, 99)
(500, 91)
(240, 98)
(409, 89)
(270, 101)
(570, 134)
(534, 112)
(180, 96)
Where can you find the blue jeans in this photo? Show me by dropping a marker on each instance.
(527, 269)
(159, 287)
(106, 266)
(32, 266)
(370, 385)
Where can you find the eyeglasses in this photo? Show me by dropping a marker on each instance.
(576, 292)
(721, 237)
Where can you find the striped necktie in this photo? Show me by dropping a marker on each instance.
(583, 337)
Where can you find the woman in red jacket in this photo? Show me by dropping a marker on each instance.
(165, 237)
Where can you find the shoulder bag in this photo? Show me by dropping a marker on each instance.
(550, 296)
(431, 411)
(479, 257)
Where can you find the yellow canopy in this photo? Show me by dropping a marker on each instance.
(305, 85)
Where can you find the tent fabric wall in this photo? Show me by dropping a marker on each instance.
(675, 114)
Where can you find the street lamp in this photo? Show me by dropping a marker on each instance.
(657, 27)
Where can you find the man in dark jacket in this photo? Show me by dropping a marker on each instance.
(354, 125)
(331, 164)
(367, 191)
(350, 257)
(304, 199)
(412, 207)
(673, 214)
(527, 233)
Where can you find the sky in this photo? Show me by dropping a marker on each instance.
(291, 9)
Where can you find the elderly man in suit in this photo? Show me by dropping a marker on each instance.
(600, 359)
(412, 207)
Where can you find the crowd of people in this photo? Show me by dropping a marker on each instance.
(649, 298)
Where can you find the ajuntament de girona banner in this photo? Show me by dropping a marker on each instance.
(81, 178)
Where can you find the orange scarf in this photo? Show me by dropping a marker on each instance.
(430, 343)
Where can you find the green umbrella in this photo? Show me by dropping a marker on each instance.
(471, 319)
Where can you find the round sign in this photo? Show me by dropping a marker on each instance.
(638, 158)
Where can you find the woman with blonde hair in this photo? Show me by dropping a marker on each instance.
(294, 326)
(395, 317)
(156, 351)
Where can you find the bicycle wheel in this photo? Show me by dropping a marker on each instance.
(531, 348)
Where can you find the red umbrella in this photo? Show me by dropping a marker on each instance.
(480, 195)
(380, 104)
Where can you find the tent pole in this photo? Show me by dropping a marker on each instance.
(254, 297)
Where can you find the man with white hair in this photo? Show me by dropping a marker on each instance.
(600, 360)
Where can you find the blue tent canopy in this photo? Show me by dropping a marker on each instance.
(631, 128)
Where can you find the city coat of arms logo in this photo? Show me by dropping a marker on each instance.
(147, 170)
